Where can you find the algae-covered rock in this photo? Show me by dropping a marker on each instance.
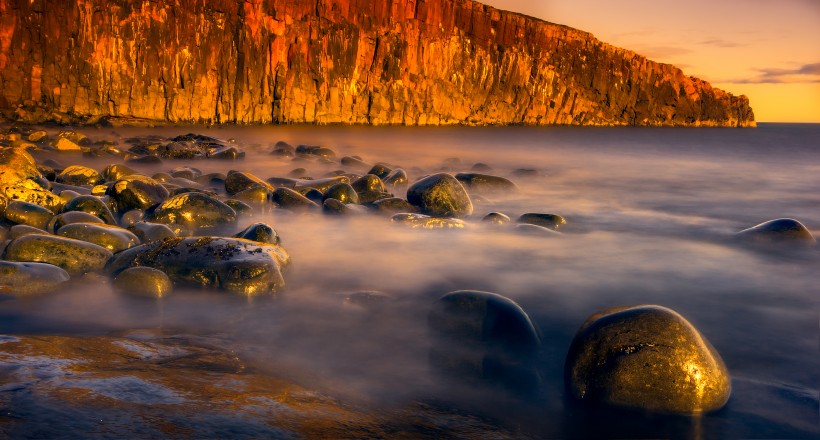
(440, 195)
(30, 278)
(645, 357)
(75, 256)
(233, 264)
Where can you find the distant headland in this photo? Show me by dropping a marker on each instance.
(418, 62)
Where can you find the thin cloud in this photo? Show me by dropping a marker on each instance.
(717, 42)
(807, 73)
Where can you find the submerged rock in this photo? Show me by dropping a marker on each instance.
(233, 264)
(645, 357)
(290, 199)
(30, 278)
(237, 181)
(393, 205)
(426, 222)
(75, 256)
(440, 195)
(484, 336)
(782, 230)
(551, 221)
(478, 183)
(526, 228)
(144, 281)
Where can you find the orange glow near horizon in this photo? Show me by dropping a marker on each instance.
(768, 51)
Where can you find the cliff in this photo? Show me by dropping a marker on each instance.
(332, 61)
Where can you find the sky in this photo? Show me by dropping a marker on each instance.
(767, 50)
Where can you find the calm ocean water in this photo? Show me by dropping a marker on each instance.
(650, 215)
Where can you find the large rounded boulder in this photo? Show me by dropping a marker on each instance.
(75, 256)
(646, 358)
(30, 278)
(233, 264)
(137, 192)
(194, 210)
(440, 195)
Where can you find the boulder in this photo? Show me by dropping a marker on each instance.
(25, 213)
(259, 232)
(79, 175)
(144, 281)
(193, 210)
(30, 278)
(290, 199)
(92, 205)
(440, 195)
(113, 238)
(647, 358)
(233, 264)
(75, 256)
(237, 181)
(342, 192)
(477, 183)
(150, 232)
(137, 192)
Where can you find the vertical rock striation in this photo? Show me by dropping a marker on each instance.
(415, 62)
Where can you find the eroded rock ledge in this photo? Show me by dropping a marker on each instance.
(415, 62)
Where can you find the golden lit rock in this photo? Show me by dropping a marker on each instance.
(645, 357)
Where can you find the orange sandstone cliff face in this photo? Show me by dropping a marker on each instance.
(414, 62)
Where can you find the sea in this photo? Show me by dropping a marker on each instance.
(651, 215)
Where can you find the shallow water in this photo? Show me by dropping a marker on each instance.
(649, 211)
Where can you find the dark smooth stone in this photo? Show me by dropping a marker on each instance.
(259, 232)
(335, 207)
(396, 177)
(368, 182)
(380, 170)
(186, 172)
(116, 172)
(496, 218)
(551, 221)
(526, 228)
(136, 192)
(393, 205)
(237, 181)
(290, 199)
(21, 230)
(79, 175)
(239, 206)
(75, 256)
(314, 195)
(67, 218)
(180, 150)
(342, 192)
(225, 153)
(526, 172)
(781, 230)
(30, 278)
(485, 183)
(483, 336)
(113, 238)
(150, 232)
(350, 161)
(193, 210)
(232, 264)
(92, 205)
(481, 167)
(298, 173)
(26, 213)
(646, 358)
(440, 195)
(145, 160)
(282, 181)
(322, 185)
(257, 195)
(144, 281)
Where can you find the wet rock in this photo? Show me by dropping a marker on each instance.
(21, 230)
(66, 145)
(162, 177)
(26, 213)
(334, 207)
(116, 172)
(238, 181)
(496, 218)
(145, 160)
(150, 232)
(353, 162)
(368, 182)
(233, 264)
(648, 358)
(781, 231)
(282, 181)
(290, 199)
(92, 205)
(298, 173)
(440, 195)
(225, 153)
(551, 221)
(396, 177)
(212, 179)
(113, 238)
(426, 222)
(186, 172)
(193, 210)
(314, 150)
(21, 180)
(380, 170)
(526, 173)
(30, 278)
(137, 192)
(321, 185)
(314, 195)
(259, 232)
(129, 218)
(485, 183)
(480, 167)
(75, 256)
(180, 150)
(79, 175)
(393, 205)
(484, 336)
(257, 195)
(67, 218)
(283, 149)
(239, 206)
(342, 192)
(144, 281)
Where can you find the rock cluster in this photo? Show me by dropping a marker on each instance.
(431, 62)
